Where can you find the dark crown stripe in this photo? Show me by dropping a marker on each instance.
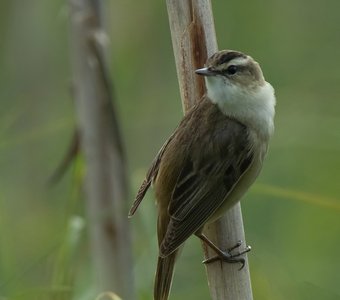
(226, 57)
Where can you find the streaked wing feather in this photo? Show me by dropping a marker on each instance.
(151, 174)
(205, 181)
(191, 185)
(180, 230)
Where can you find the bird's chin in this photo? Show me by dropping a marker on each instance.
(217, 88)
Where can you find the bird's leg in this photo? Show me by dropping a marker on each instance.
(226, 256)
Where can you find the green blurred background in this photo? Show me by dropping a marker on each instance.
(291, 215)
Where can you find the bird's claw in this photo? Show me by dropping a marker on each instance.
(230, 257)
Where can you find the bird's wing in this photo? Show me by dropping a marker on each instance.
(214, 165)
(151, 174)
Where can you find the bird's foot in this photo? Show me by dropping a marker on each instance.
(230, 256)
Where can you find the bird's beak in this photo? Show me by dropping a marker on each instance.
(205, 72)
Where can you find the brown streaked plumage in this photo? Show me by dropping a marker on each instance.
(200, 180)
(211, 159)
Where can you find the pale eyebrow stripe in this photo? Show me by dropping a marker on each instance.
(240, 61)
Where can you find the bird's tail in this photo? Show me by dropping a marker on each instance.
(164, 274)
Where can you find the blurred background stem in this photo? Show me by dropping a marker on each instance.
(101, 143)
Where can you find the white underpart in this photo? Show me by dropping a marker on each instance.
(254, 106)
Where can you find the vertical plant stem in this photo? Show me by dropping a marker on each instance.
(100, 141)
(194, 40)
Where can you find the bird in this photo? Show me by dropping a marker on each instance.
(210, 160)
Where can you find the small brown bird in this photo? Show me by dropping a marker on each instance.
(211, 159)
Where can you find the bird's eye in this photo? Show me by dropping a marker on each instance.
(231, 70)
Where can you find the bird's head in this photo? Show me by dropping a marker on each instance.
(236, 83)
(232, 68)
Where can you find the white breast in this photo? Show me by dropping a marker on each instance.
(254, 107)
